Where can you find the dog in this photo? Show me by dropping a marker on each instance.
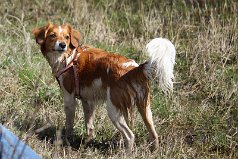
(94, 75)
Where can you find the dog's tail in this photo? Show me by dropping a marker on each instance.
(160, 64)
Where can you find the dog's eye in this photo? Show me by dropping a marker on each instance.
(67, 37)
(53, 35)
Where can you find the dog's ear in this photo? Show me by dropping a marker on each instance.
(74, 37)
(40, 33)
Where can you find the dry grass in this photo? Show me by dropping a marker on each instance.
(199, 121)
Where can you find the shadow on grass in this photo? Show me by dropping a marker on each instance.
(52, 134)
(55, 136)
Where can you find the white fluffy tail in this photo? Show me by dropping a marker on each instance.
(160, 65)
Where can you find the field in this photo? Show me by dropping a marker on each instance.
(200, 118)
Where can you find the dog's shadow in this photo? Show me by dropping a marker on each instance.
(55, 136)
(52, 135)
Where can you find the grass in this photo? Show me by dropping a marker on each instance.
(200, 119)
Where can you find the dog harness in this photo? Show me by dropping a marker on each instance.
(72, 61)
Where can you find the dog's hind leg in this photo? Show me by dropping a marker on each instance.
(88, 109)
(120, 123)
(145, 111)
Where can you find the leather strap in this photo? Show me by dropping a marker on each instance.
(76, 79)
(60, 72)
(74, 64)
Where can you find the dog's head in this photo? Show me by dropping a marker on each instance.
(56, 38)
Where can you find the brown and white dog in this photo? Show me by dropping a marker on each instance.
(104, 76)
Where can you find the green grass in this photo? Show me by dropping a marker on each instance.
(200, 118)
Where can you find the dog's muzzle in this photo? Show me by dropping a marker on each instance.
(60, 46)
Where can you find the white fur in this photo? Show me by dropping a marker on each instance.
(94, 92)
(69, 106)
(71, 57)
(97, 83)
(161, 62)
(60, 29)
(55, 59)
(89, 111)
(57, 45)
(130, 63)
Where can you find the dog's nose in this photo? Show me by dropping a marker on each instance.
(62, 45)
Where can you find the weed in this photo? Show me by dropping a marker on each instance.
(200, 118)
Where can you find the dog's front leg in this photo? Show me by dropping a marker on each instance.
(88, 109)
(69, 108)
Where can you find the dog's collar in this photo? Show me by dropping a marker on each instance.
(71, 57)
(72, 61)
(72, 54)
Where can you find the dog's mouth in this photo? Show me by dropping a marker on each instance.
(59, 50)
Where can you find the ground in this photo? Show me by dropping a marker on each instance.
(200, 118)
